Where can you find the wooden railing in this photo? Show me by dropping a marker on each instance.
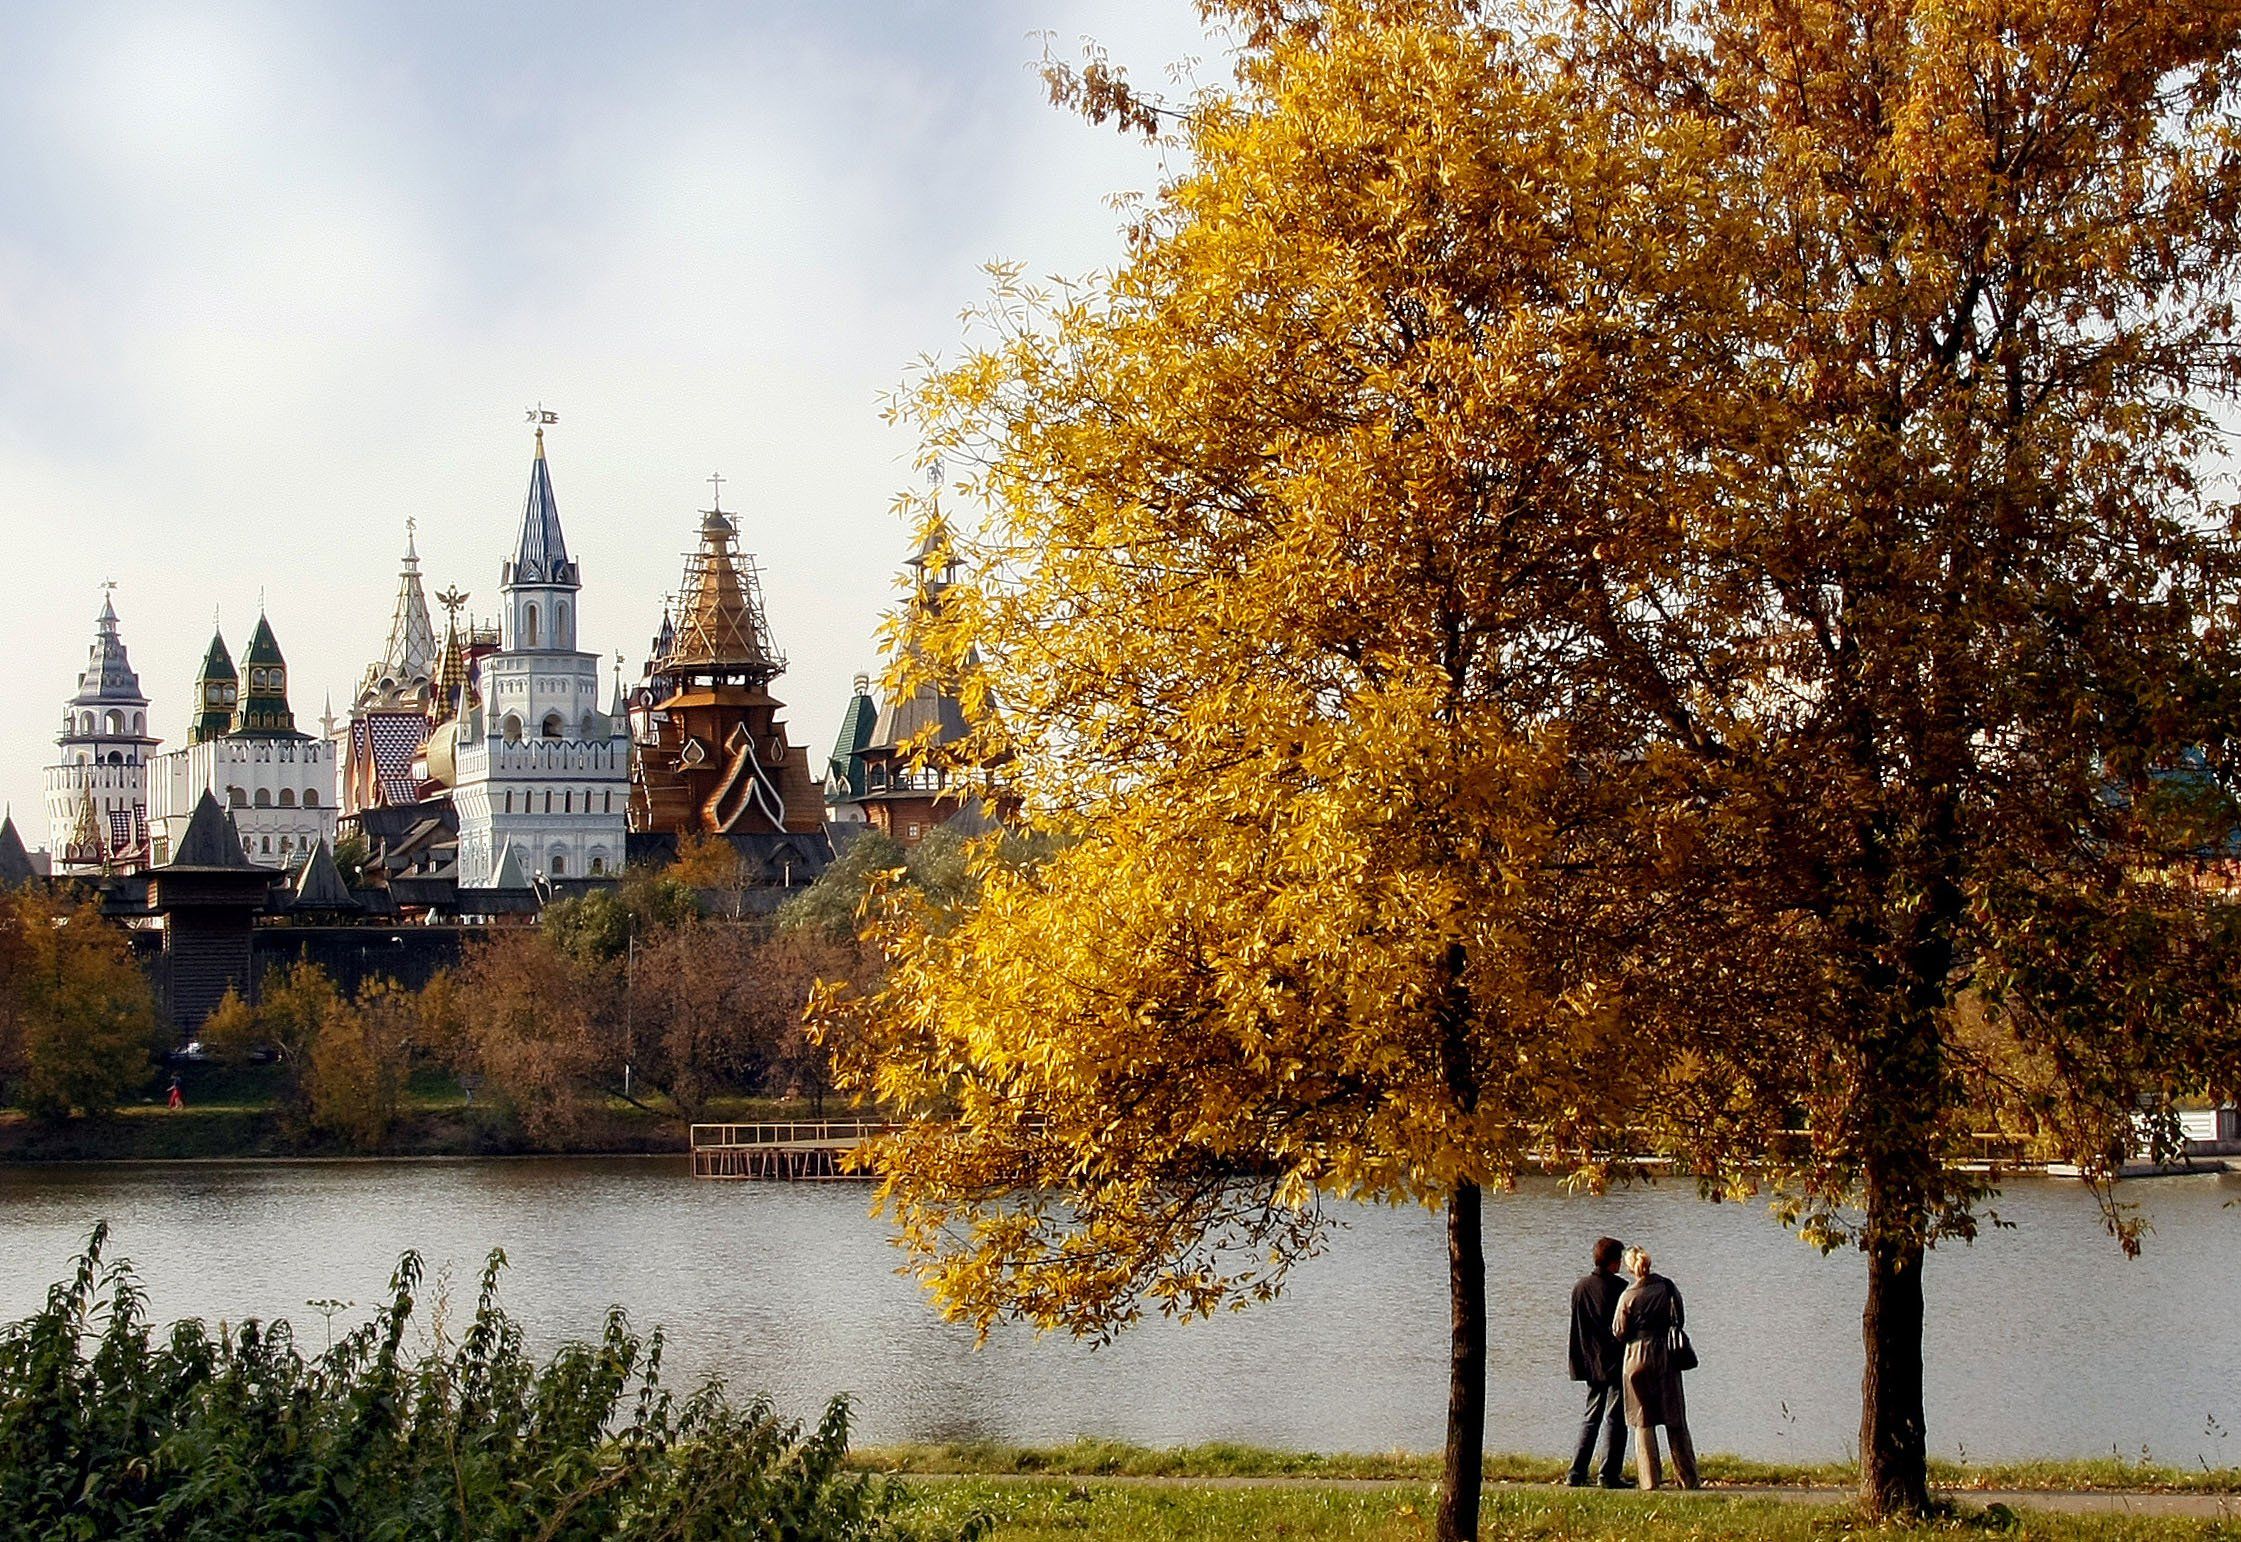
(801, 1149)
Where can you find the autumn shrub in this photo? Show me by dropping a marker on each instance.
(78, 1026)
(111, 1429)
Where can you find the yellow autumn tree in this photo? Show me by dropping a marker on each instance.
(1349, 890)
(1914, 573)
(1700, 507)
(78, 1024)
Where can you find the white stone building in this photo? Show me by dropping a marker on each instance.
(540, 771)
(244, 750)
(96, 792)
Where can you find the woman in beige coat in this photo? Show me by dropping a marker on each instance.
(1648, 1314)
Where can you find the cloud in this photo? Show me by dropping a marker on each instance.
(273, 278)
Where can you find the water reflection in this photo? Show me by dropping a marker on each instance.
(2043, 1339)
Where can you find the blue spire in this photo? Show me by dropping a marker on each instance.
(541, 555)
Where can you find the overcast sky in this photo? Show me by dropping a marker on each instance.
(274, 277)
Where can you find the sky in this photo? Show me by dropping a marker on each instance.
(275, 277)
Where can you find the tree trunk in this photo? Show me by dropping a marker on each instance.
(1464, 1469)
(1894, 1447)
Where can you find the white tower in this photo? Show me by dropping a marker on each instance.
(97, 790)
(540, 767)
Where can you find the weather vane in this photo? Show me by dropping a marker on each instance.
(451, 599)
(539, 416)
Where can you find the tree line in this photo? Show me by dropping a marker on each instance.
(661, 990)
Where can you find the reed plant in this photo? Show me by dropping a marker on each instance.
(110, 1428)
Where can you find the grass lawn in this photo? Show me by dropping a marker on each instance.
(1112, 1458)
(1048, 1509)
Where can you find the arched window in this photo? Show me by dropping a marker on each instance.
(114, 722)
(513, 729)
(264, 798)
(598, 866)
(140, 722)
(286, 845)
(115, 758)
(268, 845)
(553, 727)
(509, 800)
(607, 801)
(236, 798)
(548, 800)
(559, 865)
(529, 623)
(85, 722)
(311, 797)
(560, 624)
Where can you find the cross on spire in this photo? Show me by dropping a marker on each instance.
(716, 481)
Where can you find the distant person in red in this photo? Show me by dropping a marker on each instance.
(177, 1098)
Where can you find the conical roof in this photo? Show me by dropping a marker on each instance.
(541, 551)
(927, 716)
(15, 863)
(108, 677)
(511, 874)
(211, 839)
(856, 727)
(263, 708)
(408, 660)
(319, 886)
(720, 624)
(263, 647)
(217, 663)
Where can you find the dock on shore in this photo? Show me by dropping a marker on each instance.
(813, 1150)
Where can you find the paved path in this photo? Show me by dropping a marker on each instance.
(2194, 1506)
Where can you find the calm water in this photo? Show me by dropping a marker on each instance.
(2044, 1340)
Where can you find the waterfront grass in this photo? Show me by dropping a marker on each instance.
(1047, 1509)
(1113, 1458)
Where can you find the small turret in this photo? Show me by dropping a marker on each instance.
(263, 708)
(217, 688)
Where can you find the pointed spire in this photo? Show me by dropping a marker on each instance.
(263, 706)
(211, 840)
(720, 625)
(319, 885)
(216, 689)
(398, 679)
(541, 550)
(108, 680)
(88, 847)
(510, 874)
(15, 863)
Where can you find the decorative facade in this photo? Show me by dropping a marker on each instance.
(905, 777)
(96, 792)
(275, 784)
(710, 753)
(537, 766)
(395, 704)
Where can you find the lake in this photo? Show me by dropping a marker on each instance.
(2043, 1339)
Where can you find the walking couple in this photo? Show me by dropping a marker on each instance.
(1630, 1345)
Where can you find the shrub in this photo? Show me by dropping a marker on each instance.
(110, 1430)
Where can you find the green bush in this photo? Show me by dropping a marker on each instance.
(111, 1430)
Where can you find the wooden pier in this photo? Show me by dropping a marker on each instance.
(799, 1150)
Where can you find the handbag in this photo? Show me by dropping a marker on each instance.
(1679, 1352)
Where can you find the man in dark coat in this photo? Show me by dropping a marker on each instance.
(1597, 1360)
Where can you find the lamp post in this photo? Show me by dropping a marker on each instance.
(630, 1005)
